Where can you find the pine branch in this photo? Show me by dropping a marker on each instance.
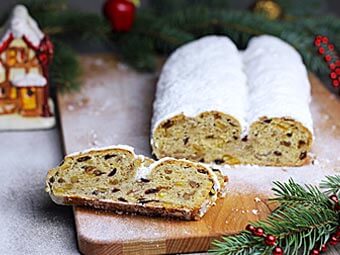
(304, 220)
(65, 69)
(331, 185)
(291, 193)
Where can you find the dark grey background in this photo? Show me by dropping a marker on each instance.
(329, 6)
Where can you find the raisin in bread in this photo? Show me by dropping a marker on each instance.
(200, 105)
(118, 180)
(202, 115)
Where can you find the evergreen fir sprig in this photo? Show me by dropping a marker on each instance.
(303, 221)
(162, 26)
(331, 185)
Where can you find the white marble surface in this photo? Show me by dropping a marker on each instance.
(30, 223)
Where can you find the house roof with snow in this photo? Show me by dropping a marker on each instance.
(29, 80)
(22, 25)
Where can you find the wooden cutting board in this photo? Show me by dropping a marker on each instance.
(115, 107)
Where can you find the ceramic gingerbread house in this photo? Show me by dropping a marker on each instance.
(25, 54)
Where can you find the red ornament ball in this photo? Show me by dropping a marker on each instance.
(259, 232)
(315, 252)
(277, 251)
(120, 13)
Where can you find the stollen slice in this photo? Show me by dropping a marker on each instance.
(116, 179)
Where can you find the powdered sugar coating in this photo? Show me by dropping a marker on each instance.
(204, 75)
(277, 80)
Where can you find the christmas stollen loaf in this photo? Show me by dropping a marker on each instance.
(201, 100)
(216, 105)
(117, 179)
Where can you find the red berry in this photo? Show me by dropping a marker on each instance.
(314, 252)
(337, 206)
(337, 234)
(321, 50)
(270, 240)
(318, 37)
(328, 58)
(331, 47)
(324, 247)
(337, 63)
(250, 228)
(332, 66)
(333, 76)
(335, 83)
(334, 198)
(324, 39)
(317, 42)
(259, 232)
(333, 240)
(277, 251)
(337, 71)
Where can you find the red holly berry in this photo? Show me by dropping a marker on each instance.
(259, 232)
(333, 75)
(332, 66)
(337, 206)
(314, 252)
(337, 234)
(324, 247)
(250, 228)
(337, 71)
(277, 251)
(333, 240)
(318, 37)
(324, 39)
(317, 42)
(321, 50)
(335, 83)
(337, 63)
(334, 198)
(331, 47)
(120, 13)
(328, 58)
(270, 240)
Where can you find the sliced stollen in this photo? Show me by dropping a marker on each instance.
(117, 179)
(201, 101)
(280, 120)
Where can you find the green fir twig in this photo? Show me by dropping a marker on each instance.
(304, 219)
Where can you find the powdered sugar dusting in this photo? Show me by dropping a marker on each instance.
(199, 77)
(277, 80)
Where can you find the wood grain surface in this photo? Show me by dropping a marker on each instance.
(115, 107)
